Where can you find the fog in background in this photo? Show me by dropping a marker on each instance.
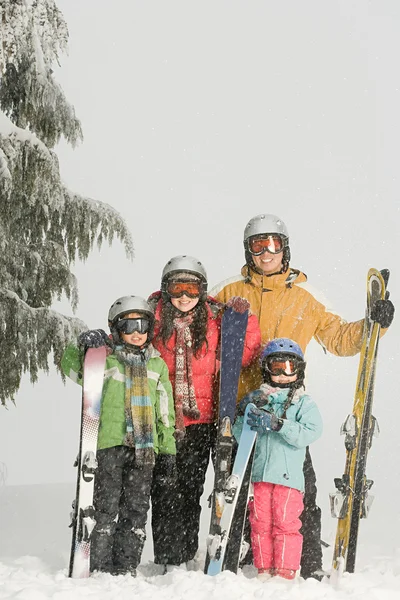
(198, 116)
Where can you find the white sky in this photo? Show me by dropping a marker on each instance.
(199, 115)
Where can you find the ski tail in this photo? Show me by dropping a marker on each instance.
(237, 547)
(217, 542)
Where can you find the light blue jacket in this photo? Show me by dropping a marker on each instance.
(279, 455)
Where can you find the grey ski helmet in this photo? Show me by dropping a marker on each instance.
(184, 264)
(125, 305)
(262, 225)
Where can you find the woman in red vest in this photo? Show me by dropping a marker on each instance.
(187, 335)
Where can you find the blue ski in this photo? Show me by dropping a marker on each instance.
(233, 332)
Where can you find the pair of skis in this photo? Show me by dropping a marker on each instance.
(351, 501)
(230, 491)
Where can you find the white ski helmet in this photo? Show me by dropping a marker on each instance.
(184, 264)
(129, 304)
(125, 305)
(262, 225)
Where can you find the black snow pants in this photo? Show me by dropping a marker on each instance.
(311, 556)
(176, 506)
(121, 490)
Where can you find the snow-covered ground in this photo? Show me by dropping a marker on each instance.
(34, 549)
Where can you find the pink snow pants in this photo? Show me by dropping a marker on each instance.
(274, 519)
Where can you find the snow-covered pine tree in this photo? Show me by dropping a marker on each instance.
(44, 227)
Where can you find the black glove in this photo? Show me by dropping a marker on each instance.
(94, 338)
(382, 312)
(166, 468)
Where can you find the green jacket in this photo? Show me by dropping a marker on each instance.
(112, 427)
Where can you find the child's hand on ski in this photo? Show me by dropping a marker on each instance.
(94, 338)
(263, 421)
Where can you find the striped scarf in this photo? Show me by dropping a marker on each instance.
(185, 397)
(138, 406)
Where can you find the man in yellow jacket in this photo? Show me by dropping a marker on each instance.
(286, 306)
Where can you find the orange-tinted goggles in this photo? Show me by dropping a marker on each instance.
(269, 243)
(279, 366)
(176, 289)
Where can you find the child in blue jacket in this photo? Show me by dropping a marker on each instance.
(287, 421)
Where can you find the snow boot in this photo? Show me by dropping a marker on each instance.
(285, 573)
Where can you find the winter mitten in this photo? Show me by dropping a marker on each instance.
(179, 434)
(257, 397)
(263, 421)
(238, 304)
(94, 338)
(167, 467)
(382, 312)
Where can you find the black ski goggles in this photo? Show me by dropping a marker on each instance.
(283, 365)
(272, 243)
(141, 325)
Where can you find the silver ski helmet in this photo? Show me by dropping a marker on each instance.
(184, 264)
(129, 304)
(265, 224)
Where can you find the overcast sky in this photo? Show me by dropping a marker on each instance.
(198, 116)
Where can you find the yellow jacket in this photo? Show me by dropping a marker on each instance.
(287, 306)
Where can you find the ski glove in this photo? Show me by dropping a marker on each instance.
(382, 312)
(238, 304)
(94, 338)
(263, 421)
(166, 468)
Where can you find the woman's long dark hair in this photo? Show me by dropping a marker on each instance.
(198, 328)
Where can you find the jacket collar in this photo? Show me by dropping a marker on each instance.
(272, 282)
(279, 395)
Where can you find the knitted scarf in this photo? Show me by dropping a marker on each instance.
(185, 397)
(138, 406)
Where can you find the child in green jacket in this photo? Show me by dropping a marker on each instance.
(137, 421)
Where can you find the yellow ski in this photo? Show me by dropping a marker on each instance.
(351, 500)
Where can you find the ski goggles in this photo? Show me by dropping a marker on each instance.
(273, 244)
(283, 365)
(141, 325)
(192, 289)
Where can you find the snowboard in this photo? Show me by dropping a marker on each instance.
(217, 543)
(83, 520)
(352, 500)
(233, 332)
